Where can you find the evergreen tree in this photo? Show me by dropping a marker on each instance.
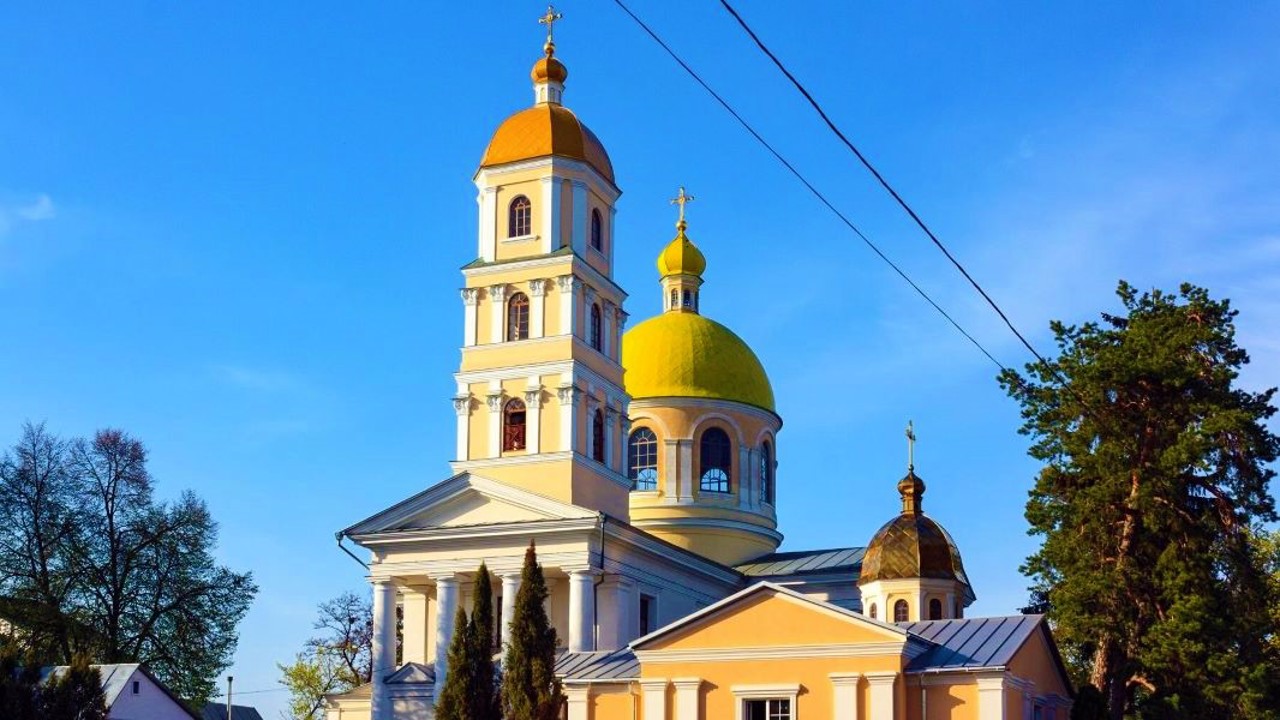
(454, 701)
(530, 689)
(19, 685)
(483, 695)
(1156, 467)
(75, 694)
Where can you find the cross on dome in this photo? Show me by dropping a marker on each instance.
(549, 20)
(682, 199)
(911, 446)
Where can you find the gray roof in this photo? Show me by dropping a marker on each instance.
(804, 562)
(971, 643)
(218, 711)
(605, 665)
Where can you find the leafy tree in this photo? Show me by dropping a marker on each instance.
(74, 694)
(1155, 468)
(91, 563)
(337, 660)
(468, 692)
(530, 689)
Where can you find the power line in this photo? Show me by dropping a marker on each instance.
(879, 178)
(800, 176)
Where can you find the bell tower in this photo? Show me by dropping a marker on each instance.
(540, 403)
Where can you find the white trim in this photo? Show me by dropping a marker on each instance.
(578, 265)
(519, 239)
(709, 419)
(703, 522)
(555, 162)
(775, 691)
(844, 695)
(686, 699)
(667, 401)
(654, 693)
(771, 652)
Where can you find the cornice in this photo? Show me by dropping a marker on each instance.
(555, 162)
(775, 652)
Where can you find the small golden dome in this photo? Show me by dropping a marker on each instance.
(542, 130)
(681, 256)
(687, 355)
(912, 545)
(549, 69)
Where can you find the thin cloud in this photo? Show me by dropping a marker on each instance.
(247, 378)
(38, 210)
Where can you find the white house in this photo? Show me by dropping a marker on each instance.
(132, 693)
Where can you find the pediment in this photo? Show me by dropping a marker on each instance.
(467, 500)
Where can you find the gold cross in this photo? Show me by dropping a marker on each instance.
(911, 446)
(550, 20)
(682, 199)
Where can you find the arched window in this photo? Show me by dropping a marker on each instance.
(872, 614)
(675, 299)
(520, 217)
(513, 417)
(518, 317)
(900, 612)
(688, 299)
(766, 472)
(642, 465)
(715, 453)
(597, 436)
(597, 231)
(597, 327)
(935, 609)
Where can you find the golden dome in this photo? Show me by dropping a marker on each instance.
(681, 256)
(912, 545)
(543, 130)
(681, 354)
(549, 69)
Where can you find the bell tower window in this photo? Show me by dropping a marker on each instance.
(715, 453)
(872, 613)
(597, 327)
(597, 436)
(518, 317)
(935, 609)
(643, 460)
(520, 217)
(597, 231)
(766, 472)
(900, 611)
(513, 425)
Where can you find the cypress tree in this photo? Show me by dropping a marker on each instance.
(530, 690)
(483, 698)
(453, 701)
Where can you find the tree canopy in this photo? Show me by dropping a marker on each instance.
(92, 564)
(339, 659)
(1156, 473)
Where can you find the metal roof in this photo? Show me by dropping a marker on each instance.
(971, 642)
(803, 562)
(216, 711)
(604, 665)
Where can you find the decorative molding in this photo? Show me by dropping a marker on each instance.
(498, 293)
(470, 296)
(479, 463)
(765, 690)
(773, 652)
(567, 283)
(495, 401)
(577, 266)
(688, 402)
(538, 287)
(462, 405)
(533, 398)
(520, 239)
(568, 394)
(483, 176)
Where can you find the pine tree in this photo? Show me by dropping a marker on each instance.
(76, 694)
(1156, 468)
(530, 689)
(19, 684)
(483, 695)
(454, 701)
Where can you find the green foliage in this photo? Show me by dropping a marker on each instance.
(1155, 468)
(530, 689)
(1089, 704)
(19, 685)
(455, 700)
(91, 563)
(74, 694)
(335, 661)
(468, 692)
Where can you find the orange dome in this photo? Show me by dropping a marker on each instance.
(549, 69)
(546, 129)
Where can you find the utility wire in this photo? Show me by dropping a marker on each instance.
(879, 178)
(799, 176)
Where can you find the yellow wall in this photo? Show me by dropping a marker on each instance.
(767, 619)
(1034, 662)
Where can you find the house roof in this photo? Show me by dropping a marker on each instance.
(971, 643)
(216, 711)
(115, 678)
(804, 562)
(608, 665)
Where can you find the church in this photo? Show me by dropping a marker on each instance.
(642, 462)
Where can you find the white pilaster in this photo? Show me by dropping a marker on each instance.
(578, 702)
(991, 697)
(620, 322)
(687, 698)
(881, 699)
(498, 310)
(844, 687)
(415, 604)
(470, 305)
(745, 472)
(494, 401)
(580, 212)
(606, 331)
(582, 609)
(488, 242)
(446, 608)
(610, 437)
(569, 287)
(510, 586)
(538, 289)
(610, 248)
(462, 407)
(384, 645)
(654, 694)
(568, 396)
(533, 417)
(671, 461)
(550, 240)
(617, 600)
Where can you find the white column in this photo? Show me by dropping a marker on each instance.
(510, 586)
(687, 698)
(462, 407)
(414, 647)
(844, 688)
(568, 396)
(949, 607)
(690, 482)
(624, 445)
(533, 417)
(488, 245)
(654, 693)
(384, 645)
(611, 249)
(538, 289)
(620, 318)
(991, 697)
(582, 609)
(446, 607)
(498, 308)
(569, 287)
(580, 211)
(470, 304)
(578, 702)
(746, 476)
(550, 231)
(881, 699)
(610, 436)
(617, 600)
(495, 422)
(671, 461)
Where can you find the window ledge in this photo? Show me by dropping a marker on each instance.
(520, 239)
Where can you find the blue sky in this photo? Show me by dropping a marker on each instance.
(235, 231)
